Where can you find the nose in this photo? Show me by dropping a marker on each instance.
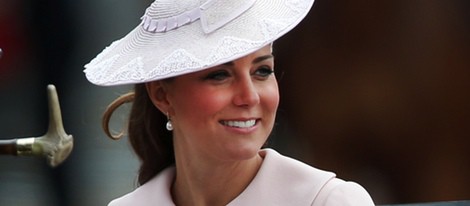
(246, 93)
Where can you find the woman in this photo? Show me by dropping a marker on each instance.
(204, 104)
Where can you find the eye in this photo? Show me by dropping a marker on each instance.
(263, 72)
(218, 75)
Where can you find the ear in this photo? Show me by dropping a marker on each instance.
(157, 92)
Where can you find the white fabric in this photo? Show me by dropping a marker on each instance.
(280, 181)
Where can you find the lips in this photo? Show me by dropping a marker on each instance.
(240, 124)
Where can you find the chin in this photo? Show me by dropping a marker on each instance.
(245, 152)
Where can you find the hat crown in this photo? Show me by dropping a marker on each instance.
(162, 9)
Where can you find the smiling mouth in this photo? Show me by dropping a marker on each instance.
(240, 124)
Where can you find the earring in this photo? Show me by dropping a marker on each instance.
(169, 126)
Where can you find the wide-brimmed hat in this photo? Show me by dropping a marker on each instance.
(178, 37)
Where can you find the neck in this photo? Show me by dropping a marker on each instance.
(209, 183)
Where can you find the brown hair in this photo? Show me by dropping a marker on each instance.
(148, 136)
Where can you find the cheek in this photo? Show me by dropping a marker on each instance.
(271, 97)
(205, 103)
(198, 104)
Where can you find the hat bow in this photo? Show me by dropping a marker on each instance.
(213, 14)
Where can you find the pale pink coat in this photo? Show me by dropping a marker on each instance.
(280, 181)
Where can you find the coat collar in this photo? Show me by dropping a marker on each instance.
(280, 181)
(283, 181)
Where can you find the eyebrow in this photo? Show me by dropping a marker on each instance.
(255, 61)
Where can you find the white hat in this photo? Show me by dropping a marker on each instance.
(178, 37)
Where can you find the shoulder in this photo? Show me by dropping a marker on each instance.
(155, 190)
(323, 187)
(283, 180)
(340, 192)
(292, 171)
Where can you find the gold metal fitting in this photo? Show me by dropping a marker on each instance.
(24, 146)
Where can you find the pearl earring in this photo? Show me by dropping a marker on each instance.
(169, 126)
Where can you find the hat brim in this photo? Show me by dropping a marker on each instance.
(143, 56)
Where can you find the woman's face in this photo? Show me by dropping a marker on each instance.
(225, 112)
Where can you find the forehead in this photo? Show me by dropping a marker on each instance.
(263, 52)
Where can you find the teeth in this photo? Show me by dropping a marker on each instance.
(240, 124)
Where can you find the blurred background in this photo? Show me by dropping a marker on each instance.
(376, 91)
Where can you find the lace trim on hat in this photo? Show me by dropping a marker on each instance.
(132, 71)
(98, 72)
(180, 61)
(174, 65)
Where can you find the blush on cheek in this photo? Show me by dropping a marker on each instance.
(272, 97)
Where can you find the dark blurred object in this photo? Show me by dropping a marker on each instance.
(378, 91)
